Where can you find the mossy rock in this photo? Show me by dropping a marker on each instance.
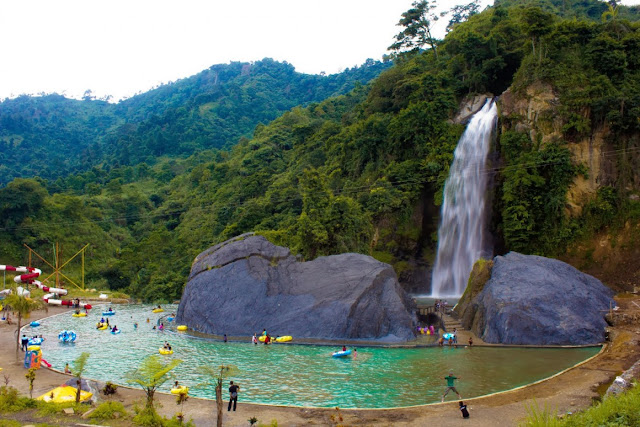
(466, 308)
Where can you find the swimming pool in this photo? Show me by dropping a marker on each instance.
(300, 375)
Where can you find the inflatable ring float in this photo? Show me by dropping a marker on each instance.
(102, 326)
(157, 310)
(180, 390)
(79, 315)
(286, 338)
(182, 327)
(164, 351)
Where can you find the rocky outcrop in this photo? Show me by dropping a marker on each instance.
(624, 381)
(246, 284)
(539, 301)
(469, 106)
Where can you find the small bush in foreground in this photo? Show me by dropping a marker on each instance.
(109, 411)
(11, 402)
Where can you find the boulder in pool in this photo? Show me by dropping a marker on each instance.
(246, 284)
(528, 299)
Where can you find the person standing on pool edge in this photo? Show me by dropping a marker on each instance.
(233, 395)
(450, 386)
(463, 409)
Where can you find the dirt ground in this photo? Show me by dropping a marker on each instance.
(568, 392)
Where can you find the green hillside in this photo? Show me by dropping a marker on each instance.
(51, 136)
(362, 171)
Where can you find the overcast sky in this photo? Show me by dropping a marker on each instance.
(121, 47)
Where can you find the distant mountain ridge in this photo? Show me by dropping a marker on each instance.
(51, 136)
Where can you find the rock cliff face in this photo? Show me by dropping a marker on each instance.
(534, 300)
(246, 284)
(536, 111)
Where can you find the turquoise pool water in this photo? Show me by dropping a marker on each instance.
(300, 375)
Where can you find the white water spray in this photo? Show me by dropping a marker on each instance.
(462, 219)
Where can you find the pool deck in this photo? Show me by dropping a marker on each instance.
(567, 392)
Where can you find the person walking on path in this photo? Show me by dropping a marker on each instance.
(25, 342)
(451, 386)
(463, 409)
(233, 395)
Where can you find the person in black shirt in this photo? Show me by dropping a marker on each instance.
(233, 395)
(463, 409)
(25, 342)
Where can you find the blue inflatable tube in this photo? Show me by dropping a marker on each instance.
(35, 341)
(116, 332)
(108, 313)
(447, 336)
(35, 323)
(67, 336)
(341, 353)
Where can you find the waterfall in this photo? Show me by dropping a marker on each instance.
(462, 218)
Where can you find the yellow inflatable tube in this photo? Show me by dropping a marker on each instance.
(182, 327)
(157, 310)
(102, 326)
(284, 339)
(164, 351)
(79, 314)
(180, 390)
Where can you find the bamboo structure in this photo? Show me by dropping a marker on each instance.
(57, 267)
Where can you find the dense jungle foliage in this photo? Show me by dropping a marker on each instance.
(362, 171)
(56, 137)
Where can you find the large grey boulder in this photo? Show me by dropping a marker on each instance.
(540, 301)
(246, 284)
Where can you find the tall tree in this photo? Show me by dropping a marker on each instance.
(216, 376)
(418, 24)
(462, 12)
(78, 370)
(23, 306)
(151, 374)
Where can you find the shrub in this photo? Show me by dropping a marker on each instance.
(11, 402)
(108, 411)
(109, 389)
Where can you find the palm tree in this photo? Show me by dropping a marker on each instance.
(151, 374)
(77, 371)
(217, 376)
(23, 306)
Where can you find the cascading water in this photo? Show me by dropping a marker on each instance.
(461, 231)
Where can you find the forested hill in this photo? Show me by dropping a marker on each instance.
(364, 171)
(52, 136)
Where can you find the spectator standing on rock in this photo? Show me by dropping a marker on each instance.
(451, 386)
(233, 395)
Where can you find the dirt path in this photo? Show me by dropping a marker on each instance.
(568, 392)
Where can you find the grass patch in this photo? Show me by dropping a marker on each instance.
(10, 401)
(621, 410)
(109, 411)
